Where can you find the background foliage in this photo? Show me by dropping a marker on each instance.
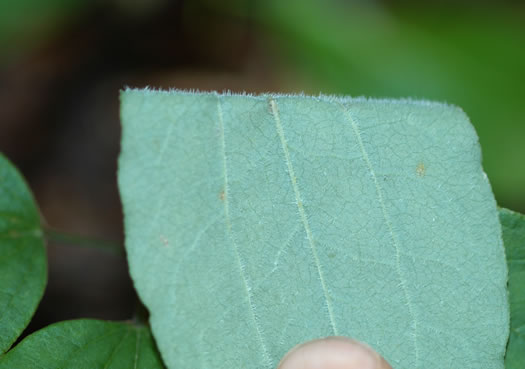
(63, 62)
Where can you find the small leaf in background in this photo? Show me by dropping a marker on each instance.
(85, 344)
(257, 223)
(23, 265)
(513, 226)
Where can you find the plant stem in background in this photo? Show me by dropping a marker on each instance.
(69, 239)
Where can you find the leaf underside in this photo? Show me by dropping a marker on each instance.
(513, 226)
(85, 344)
(254, 223)
(23, 266)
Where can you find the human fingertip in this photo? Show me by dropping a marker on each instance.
(333, 353)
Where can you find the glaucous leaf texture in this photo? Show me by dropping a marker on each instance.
(254, 223)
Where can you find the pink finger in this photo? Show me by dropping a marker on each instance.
(333, 353)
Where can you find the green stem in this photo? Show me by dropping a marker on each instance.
(65, 238)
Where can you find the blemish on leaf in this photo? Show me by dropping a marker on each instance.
(420, 169)
(222, 195)
(270, 108)
(331, 255)
(164, 241)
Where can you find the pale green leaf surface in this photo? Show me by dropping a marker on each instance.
(23, 265)
(513, 226)
(256, 223)
(85, 344)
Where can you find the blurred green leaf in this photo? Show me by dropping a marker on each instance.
(473, 58)
(255, 223)
(23, 264)
(85, 344)
(513, 226)
(24, 23)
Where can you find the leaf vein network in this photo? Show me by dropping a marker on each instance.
(240, 263)
(302, 212)
(388, 222)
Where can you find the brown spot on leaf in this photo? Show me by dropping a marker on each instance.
(222, 195)
(420, 169)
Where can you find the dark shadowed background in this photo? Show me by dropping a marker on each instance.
(63, 62)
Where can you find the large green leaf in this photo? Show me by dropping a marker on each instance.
(85, 344)
(256, 223)
(513, 225)
(23, 268)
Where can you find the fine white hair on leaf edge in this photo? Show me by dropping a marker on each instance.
(265, 95)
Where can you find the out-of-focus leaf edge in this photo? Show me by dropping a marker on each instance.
(513, 230)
